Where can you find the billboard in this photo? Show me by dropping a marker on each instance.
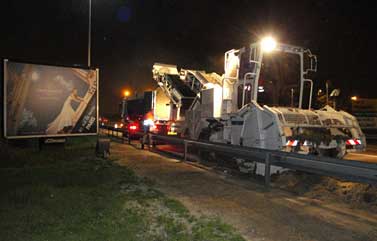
(49, 101)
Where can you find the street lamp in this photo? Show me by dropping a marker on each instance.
(126, 93)
(90, 33)
(354, 98)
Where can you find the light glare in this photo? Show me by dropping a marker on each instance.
(148, 122)
(268, 44)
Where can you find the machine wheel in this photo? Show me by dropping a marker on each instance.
(338, 152)
(246, 166)
(204, 134)
(206, 155)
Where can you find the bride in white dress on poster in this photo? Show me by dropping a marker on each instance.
(65, 118)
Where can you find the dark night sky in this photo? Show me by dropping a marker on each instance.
(129, 36)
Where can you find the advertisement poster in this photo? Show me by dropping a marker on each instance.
(48, 101)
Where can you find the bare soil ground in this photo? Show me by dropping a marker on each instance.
(255, 212)
(357, 195)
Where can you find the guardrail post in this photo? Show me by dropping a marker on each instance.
(128, 136)
(185, 153)
(142, 142)
(267, 170)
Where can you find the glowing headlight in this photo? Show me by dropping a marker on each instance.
(268, 44)
(148, 122)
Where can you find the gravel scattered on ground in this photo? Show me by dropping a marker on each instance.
(357, 195)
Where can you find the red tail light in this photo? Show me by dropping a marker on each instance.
(133, 127)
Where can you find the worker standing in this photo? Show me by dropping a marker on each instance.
(147, 124)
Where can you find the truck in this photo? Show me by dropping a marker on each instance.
(263, 100)
(150, 110)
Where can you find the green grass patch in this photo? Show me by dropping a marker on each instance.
(66, 193)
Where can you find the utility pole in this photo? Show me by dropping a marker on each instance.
(292, 97)
(90, 33)
(327, 92)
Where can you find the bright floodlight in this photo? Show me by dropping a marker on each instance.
(268, 44)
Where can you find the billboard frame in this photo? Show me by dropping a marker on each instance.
(4, 76)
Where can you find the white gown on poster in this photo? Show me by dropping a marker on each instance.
(65, 118)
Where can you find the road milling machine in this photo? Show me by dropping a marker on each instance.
(263, 100)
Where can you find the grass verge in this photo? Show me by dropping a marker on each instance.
(69, 194)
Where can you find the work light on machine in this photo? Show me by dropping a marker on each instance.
(268, 44)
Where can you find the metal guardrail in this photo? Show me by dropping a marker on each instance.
(345, 169)
(351, 170)
(120, 133)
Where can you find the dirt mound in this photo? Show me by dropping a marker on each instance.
(326, 188)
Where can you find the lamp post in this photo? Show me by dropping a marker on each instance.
(327, 92)
(126, 94)
(292, 97)
(90, 33)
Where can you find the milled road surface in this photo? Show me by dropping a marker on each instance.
(257, 214)
(370, 155)
(362, 156)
